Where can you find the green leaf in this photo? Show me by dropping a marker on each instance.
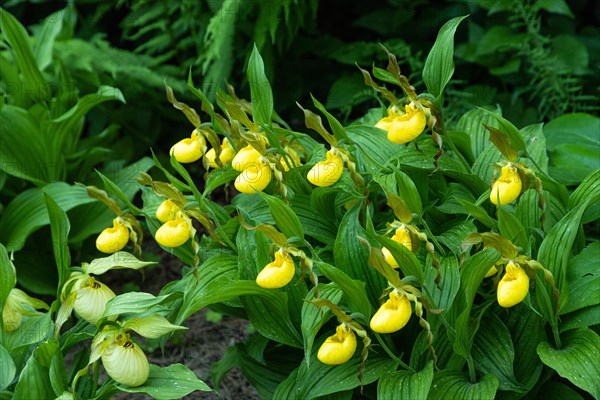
(455, 385)
(171, 382)
(555, 6)
(443, 294)
(34, 381)
(479, 213)
(219, 177)
(260, 89)
(16, 36)
(556, 247)
(314, 317)
(576, 360)
(473, 123)
(133, 303)
(287, 221)
(552, 390)
(9, 279)
(320, 379)
(405, 384)
(118, 260)
(407, 261)
(60, 227)
(439, 65)
(511, 228)
(588, 190)
(25, 151)
(584, 279)
(27, 211)
(37, 327)
(313, 224)
(354, 290)
(45, 38)
(65, 130)
(351, 257)
(494, 354)
(374, 149)
(506, 127)
(8, 370)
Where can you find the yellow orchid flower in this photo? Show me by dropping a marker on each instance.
(278, 273)
(125, 362)
(254, 178)
(402, 128)
(507, 187)
(513, 287)
(393, 315)
(114, 238)
(190, 149)
(326, 173)
(227, 154)
(338, 348)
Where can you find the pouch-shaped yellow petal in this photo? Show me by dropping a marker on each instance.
(507, 187)
(245, 157)
(227, 154)
(166, 211)
(338, 348)
(278, 273)
(513, 287)
(392, 315)
(255, 178)
(491, 272)
(407, 127)
(189, 150)
(326, 173)
(113, 239)
(126, 363)
(173, 233)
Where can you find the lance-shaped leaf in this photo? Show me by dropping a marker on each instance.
(152, 327)
(399, 207)
(389, 96)
(505, 127)
(314, 122)
(338, 130)
(285, 218)
(103, 197)
(163, 189)
(277, 237)
(118, 260)
(439, 65)
(260, 89)
(494, 240)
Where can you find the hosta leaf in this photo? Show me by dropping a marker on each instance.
(586, 317)
(493, 352)
(576, 360)
(439, 65)
(455, 385)
(405, 384)
(171, 382)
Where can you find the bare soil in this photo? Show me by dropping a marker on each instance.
(203, 343)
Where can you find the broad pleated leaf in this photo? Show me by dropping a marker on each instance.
(405, 384)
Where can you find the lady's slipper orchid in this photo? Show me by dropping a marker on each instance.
(246, 157)
(190, 149)
(227, 154)
(92, 296)
(392, 315)
(173, 233)
(513, 287)
(254, 178)
(125, 362)
(402, 128)
(18, 304)
(507, 187)
(338, 348)
(278, 273)
(113, 239)
(389, 258)
(402, 236)
(167, 211)
(326, 173)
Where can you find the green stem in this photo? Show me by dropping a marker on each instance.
(391, 354)
(472, 376)
(96, 369)
(455, 150)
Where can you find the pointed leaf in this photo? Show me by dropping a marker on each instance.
(455, 385)
(405, 384)
(171, 382)
(260, 89)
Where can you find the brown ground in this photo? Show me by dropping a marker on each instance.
(203, 343)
